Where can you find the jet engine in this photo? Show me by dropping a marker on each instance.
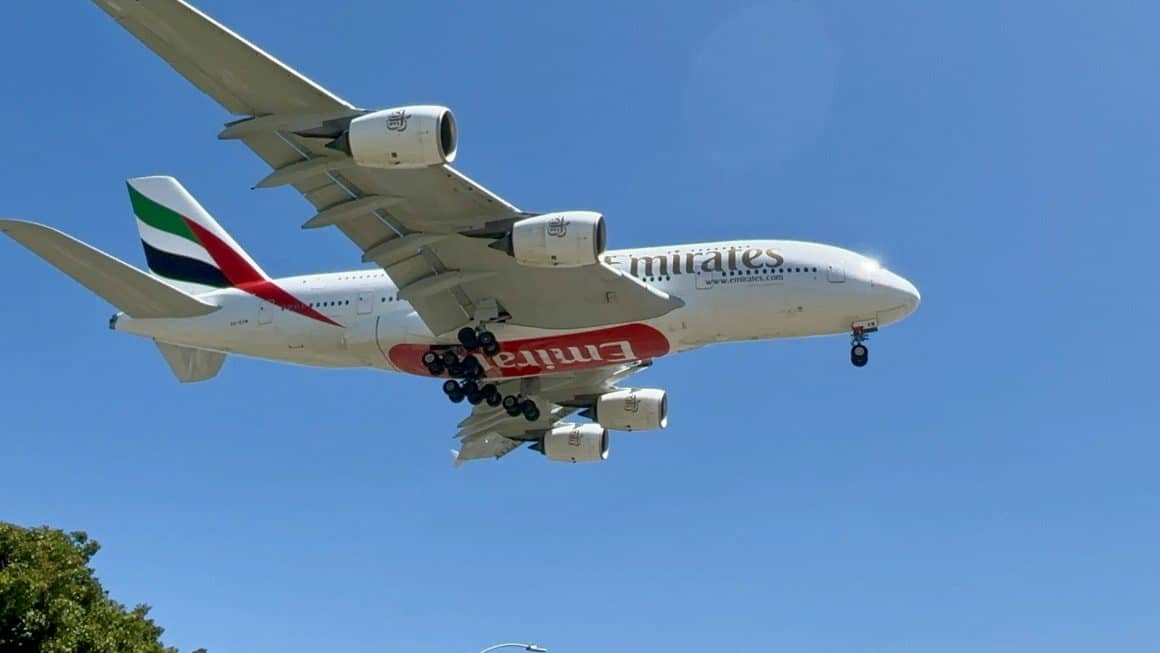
(407, 137)
(643, 409)
(576, 443)
(567, 239)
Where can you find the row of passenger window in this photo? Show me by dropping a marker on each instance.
(786, 270)
(345, 302)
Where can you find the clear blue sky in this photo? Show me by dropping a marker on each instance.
(988, 483)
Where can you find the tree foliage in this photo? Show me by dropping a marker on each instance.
(50, 601)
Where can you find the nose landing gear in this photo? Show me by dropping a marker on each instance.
(859, 352)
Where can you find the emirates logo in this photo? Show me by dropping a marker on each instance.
(558, 227)
(397, 121)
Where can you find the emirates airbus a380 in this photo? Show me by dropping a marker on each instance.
(526, 316)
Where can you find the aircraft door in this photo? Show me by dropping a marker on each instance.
(265, 312)
(836, 274)
(364, 303)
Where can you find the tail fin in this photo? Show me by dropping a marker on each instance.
(183, 243)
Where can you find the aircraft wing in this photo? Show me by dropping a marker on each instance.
(491, 433)
(408, 221)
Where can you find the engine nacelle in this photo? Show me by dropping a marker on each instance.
(642, 409)
(576, 443)
(568, 239)
(407, 137)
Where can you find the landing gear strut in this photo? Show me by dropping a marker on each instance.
(859, 352)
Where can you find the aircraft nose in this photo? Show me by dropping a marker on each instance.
(899, 288)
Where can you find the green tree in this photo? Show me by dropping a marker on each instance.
(50, 601)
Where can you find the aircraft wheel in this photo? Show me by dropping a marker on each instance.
(494, 398)
(468, 339)
(859, 355)
(475, 398)
(488, 342)
(436, 368)
(530, 410)
(469, 387)
(511, 404)
(471, 367)
(450, 386)
(456, 396)
(450, 359)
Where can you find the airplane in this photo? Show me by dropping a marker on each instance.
(527, 316)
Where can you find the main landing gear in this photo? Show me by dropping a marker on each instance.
(859, 352)
(467, 374)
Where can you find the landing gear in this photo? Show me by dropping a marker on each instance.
(492, 396)
(468, 338)
(859, 352)
(434, 364)
(514, 406)
(472, 391)
(859, 355)
(467, 371)
(488, 343)
(530, 410)
(480, 339)
(511, 404)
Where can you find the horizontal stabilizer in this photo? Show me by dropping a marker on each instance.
(191, 365)
(122, 285)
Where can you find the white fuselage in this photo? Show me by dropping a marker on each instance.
(738, 290)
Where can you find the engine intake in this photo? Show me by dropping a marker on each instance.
(643, 409)
(576, 443)
(406, 137)
(567, 239)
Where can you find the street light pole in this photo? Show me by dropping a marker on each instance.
(527, 647)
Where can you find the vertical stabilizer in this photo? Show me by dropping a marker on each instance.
(184, 244)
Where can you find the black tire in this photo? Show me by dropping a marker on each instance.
(436, 368)
(475, 398)
(469, 387)
(471, 367)
(859, 355)
(450, 358)
(530, 410)
(510, 402)
(490, 390)
(491, 349)
(456, 396)
(430, 358)
(494, 399)
(468, 339)
(486, 338)
(450, 386)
